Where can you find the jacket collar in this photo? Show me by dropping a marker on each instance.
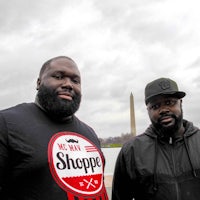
(190, 129)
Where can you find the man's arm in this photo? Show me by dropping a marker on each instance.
(123, 188)
(4, 158)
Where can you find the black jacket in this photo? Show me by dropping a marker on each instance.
(151, 168)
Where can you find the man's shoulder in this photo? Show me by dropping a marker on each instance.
(17, 109)
(136, 141)
(85, 130)
(83, 124)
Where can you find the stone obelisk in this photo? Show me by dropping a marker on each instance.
(132, 115)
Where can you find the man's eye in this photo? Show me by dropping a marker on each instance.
(155, 106)
(170, 102)
(77, 81)
(58, 76)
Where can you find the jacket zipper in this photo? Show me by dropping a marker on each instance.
(174, 168)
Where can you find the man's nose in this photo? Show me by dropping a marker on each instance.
(67, 83)
(163, 108)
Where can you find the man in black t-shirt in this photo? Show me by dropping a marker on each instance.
(46, 152)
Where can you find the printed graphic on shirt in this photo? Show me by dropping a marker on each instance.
(76, 164)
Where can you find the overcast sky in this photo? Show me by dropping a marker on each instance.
(119, 46)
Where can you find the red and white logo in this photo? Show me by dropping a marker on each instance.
(76, 164)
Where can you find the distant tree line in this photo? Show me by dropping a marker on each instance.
(115, 141)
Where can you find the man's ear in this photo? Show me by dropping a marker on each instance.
(38, 84)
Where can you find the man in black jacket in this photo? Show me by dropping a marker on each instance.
(163, 163)
(46, 152)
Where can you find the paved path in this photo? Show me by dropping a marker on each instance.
(108, 184)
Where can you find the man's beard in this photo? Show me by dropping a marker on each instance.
(169, 131)
(55, 106)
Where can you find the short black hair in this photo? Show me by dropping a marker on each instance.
(48, 62)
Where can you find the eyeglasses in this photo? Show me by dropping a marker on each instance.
(167, 103)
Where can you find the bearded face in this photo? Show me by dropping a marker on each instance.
(55, 106)
(165, 129)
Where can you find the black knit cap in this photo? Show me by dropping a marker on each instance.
(162, 86)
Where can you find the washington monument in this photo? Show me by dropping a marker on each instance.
(132, 115)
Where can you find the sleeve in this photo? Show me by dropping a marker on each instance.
(4, 157)
(124, 176)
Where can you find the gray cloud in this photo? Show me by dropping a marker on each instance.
(119, 47)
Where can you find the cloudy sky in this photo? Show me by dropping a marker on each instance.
(118, 45)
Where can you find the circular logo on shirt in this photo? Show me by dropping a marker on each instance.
(75, 163)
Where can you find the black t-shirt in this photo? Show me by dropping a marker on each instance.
(42, 159)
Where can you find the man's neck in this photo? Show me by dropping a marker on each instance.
(59, 119)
